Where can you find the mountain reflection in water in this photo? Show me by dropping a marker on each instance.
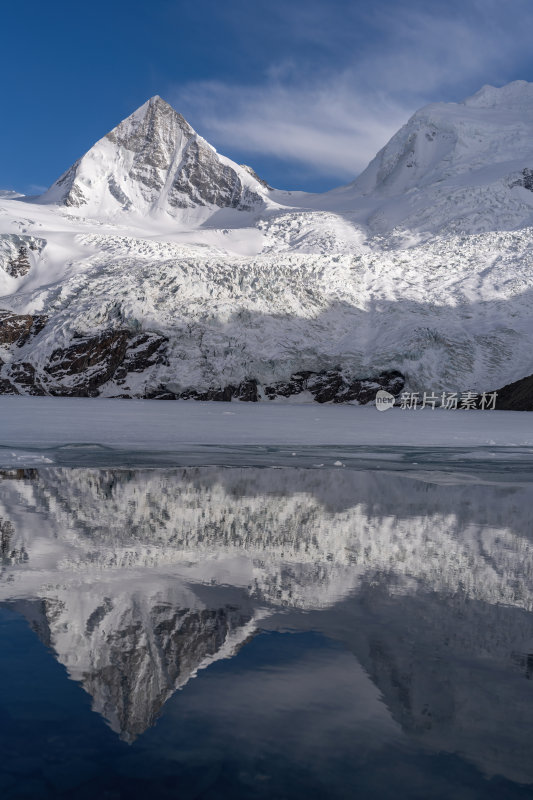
(412, 600)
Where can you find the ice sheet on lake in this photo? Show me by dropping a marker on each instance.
(79, 431)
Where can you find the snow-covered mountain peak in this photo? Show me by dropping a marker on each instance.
(491, 131)
(517, 95)
(140, 275)
(156, 120)
(154, 162)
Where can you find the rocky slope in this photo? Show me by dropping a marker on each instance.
(114, 358)
(517, 396)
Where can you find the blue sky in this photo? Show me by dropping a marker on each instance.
(305, 92)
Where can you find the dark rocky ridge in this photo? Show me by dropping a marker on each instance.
(19, 266)
(83, 367)
(17, 328)
(337, 387)
(15, 249)
(526, 181)
(517, 396)
(80, 369)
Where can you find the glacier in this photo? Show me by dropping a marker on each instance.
(199, 276)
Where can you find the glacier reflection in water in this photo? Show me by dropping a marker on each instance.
(351, 634)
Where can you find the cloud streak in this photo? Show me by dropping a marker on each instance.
(332, 113)
(327, 128)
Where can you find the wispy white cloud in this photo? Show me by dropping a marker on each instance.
(328, 128)
(334, 118)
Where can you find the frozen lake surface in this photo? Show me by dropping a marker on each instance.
(99, 432)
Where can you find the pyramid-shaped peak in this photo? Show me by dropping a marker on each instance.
(156, 103)
(154, 111)
(155, 162)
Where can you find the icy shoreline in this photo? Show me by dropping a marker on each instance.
(77, 431)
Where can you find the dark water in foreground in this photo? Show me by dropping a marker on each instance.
(215, 632)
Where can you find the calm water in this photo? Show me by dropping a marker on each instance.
(217, 632)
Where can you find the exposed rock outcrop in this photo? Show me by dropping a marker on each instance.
(327, 386)
(517, 396)
(6, 387)
(25, 376)
(526, 181)
(143, 351)
(15, 253)
(247, 391)
(89, 364)
(334, 386)
(20, 265)
(79, 370)
(17, 328)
